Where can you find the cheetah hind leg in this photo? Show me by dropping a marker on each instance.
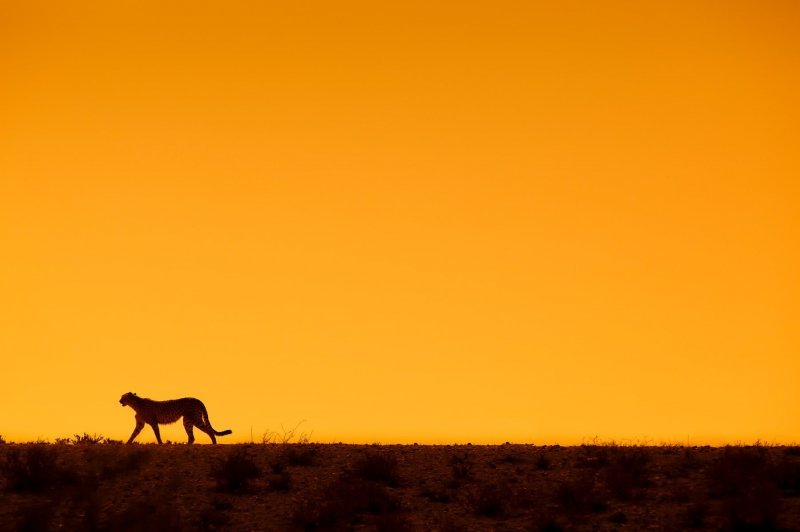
(208, 430)
(187, 424)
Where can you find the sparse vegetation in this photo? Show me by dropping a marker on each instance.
(287, 435)
(32, 468)
(235, 472)
(85, 484)
(299, 454)
(542, 462)
(627, 472)
(489, 499)
(379, 467)
(345, 502)
(86, 439)
(215, 515)
(580, 495)
(461, 469)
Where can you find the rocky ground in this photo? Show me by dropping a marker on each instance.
(108, 486)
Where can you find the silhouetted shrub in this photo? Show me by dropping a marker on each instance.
(511, 457)
(748, 481)
(299, 454)
(787, 476)
(593, 455)
(461, 469)
(153, 511)
(32, 468)
(343, 502)
(542, 462)
(489, 499)
(378, 466)
(278, 465)
(215, 515)
(86, 439)
(736, 469)
(102, 464)
(234, 472)
(792, 450)
(686, 461)
(280, 481)
(579, 495)
(627, 472)
(756, 509)
(2, 440)
(436, 494)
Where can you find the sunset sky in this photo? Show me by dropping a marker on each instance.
(417, 221)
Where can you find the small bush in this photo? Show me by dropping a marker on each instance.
(489, 500)
(437, 495)
(787, 476)
(299, 454)
(154, 511)
(89, 439)
(343, 503)
(627, 472)
(461, 469)
(32, 468)
(593, 455)
(511, 457)
(105, 464)
(378, 466)
(685, 462)
(748, 481)
(280, 481)
(542, 462)
(580, 495)
(736, 469)
(757, 509)
(792, 450)
(86, 439)
(278, 466)
(2, 440)
(215, 516)
(234, 472)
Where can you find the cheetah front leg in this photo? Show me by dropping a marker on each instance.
(136, 430)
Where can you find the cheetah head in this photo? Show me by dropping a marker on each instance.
(125, 400)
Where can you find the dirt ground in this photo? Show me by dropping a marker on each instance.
(397, 487)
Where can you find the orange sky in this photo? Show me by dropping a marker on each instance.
(430, 221)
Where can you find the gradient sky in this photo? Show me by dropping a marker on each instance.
(413, 221)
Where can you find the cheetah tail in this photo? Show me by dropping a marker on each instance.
(208, 422)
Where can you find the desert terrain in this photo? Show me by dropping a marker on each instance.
(83, 484)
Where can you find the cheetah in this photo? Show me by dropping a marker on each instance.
(152, 412)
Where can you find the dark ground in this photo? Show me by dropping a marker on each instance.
(108, 486)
